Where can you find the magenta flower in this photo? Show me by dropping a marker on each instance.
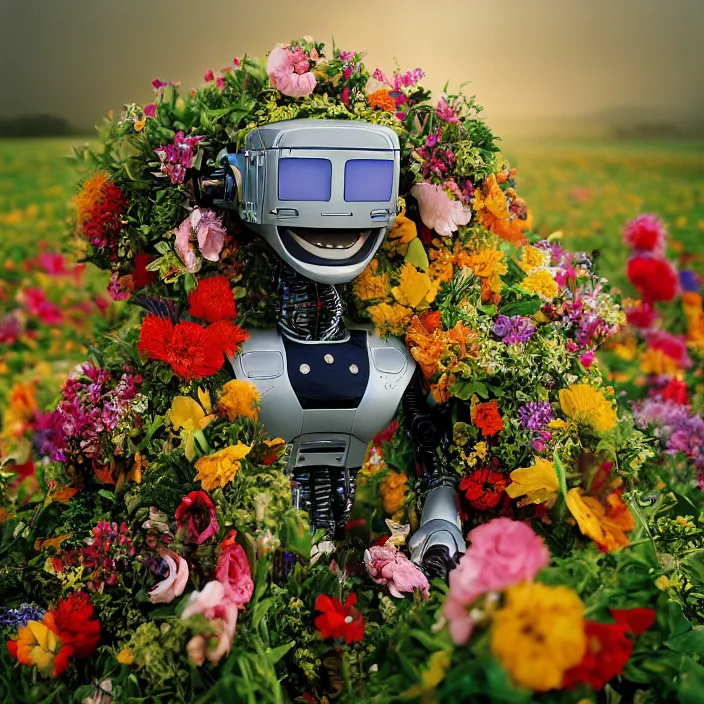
(646, 233)
(289, 71)
(387, 566)
(197, 516)
(437, 211)
(233, 571)
(209, 75)
(177, 157)
(36, 303)
(446, 112)
(150, 110)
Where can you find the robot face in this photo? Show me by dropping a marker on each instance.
(322, 193)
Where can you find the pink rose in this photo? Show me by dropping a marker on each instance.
(233, 571)
(459, 622)
(210, 233)
(174, 583)
(288, 71)
(437, 211)
(215, 604)
(388, 566)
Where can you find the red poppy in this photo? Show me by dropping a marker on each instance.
(212, 300)
(487, 418)
(140, 276)
(197, 516)
(654, 278)
(484, 488)
(190, 349)
(73, 622)
(227, 336)
(339, 620)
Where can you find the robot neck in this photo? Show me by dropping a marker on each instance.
(308, 311)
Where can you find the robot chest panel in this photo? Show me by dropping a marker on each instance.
(326, 400)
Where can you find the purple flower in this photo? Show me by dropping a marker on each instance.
(690, 281)
(513, 330)
(15, 618)
(177, 157)
(535, 415)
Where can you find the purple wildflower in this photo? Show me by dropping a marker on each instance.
(20, 616)
(513, 330)
(535, 415)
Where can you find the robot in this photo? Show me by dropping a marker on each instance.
(323, 194)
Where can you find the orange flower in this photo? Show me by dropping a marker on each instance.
(393, 490)
(491, 206)
(605, 525)
(692, 307)
(369, 285)
(487, 418)
(382, 99)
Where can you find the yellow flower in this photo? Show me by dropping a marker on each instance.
(393, 490)
(38, 645)
(606, 526)
(538, 634)
(220, 468)
(125, 656)
(415, 288)
(390, 319)
(586, 405)
(188, 416)
(662, 583)
(402, 231)
(369, 286)
(656, 362)
(542, 283)
(532, 258)
(139, 124)
(240, 399)
(538, 483)
(433, 675)
(487, 264)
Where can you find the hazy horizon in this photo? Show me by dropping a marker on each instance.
(540, 60)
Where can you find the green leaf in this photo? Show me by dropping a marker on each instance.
(561, 474)
(417, 255)
(107, 494)
(464, 390)
(527, 307)
(690, 643)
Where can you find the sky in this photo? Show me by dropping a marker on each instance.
(553, 60)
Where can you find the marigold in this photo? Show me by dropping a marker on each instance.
(402, 232)
(605, 525)
(369, 285)
(239, 399)
(390, 319)
(539, 634)
(538, 484)
(393, 491)
(487, 418)
(532, 258)
(487, 264)
(382, 99)
(415, 288)
(655, 361)
(212, 300)
(220, 468)
(542, 283)
(587, 405)
(692, 307)
(492, 210)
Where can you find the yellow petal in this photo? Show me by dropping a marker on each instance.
(413, 286)
(204, 398)
(538, 483)
(185, 412)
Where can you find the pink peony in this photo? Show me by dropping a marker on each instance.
(437, 211)
(233, 571)
(386, 565)
(215, 604)
(502, 553)
(289, 72)
(174, 583)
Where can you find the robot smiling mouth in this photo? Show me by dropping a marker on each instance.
(330, 244)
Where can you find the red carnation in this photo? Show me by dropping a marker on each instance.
(487, 418)
(197, 516)
(227, 336)
(212, 300)
(190, 349)
(73, 622)
(140, 276)
(655, 279)
(484, 488)
(339, 620)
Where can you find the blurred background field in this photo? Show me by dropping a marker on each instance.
(50, 309)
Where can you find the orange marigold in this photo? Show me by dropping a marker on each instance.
(487, 418)
(393, 491)
(382, 99)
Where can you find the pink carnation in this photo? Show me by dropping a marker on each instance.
(437, 211)
(388, 566)
(289, 72)
(234, 572)
(174, 583)
(215, 604)
(502, 552)
(646, 233)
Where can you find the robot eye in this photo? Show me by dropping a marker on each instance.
(369, 180)
(305, 179)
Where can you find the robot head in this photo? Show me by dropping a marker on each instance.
(322, 193)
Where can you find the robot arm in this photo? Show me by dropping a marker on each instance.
(437, 545)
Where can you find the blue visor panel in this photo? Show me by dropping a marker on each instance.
(305, 179)
(368, 180)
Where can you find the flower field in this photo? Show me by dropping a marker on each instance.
(550, 295)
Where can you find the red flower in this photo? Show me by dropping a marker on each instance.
(431, 320)
(140, 276)
(487, 418)
(212, 300)
(484, 488)
(655, 279)
(675, 391)
(190, 349)
(73, 622)
(641, 316)
(674, 346)
(637, 620)
(387, 434)
(339, 620)
(645, 233)
(227, 336)
(196, 515)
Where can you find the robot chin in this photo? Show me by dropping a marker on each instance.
(326, 256)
